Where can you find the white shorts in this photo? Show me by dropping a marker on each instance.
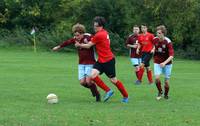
(136, 61)
(84, 71)
(158, 70)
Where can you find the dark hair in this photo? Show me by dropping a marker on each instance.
(100, 20)
(144, 24)
(136, 26)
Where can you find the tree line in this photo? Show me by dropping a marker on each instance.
(53, 20)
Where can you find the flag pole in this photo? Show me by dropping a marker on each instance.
(34, 42)
(34, 39)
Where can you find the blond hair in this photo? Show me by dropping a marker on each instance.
(78, 28)
(162, 28)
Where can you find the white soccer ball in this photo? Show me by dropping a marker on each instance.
(52, 98)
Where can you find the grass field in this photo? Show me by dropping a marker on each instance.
(26, 78)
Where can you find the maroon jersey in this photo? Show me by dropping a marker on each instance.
(132, 40)
(86, 56)
(163, 49)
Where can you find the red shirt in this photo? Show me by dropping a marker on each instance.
(163, 49)
(146, 41)
(102, 44)
(132, 40)
(86, 56)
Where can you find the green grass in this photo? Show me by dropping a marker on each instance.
(26, 78)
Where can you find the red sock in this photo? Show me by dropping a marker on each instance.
(158, 85)
(140, 73)
(166, 88)
(101, 84)
(149, 75)
(122, 89)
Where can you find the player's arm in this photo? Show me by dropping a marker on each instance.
(171, 55)
(132, 46)
(56, 48)
(138, 48)
(166, 61)
(128, 45)
(153, 50)
(66, 43)
(153, 42)
(83, 45)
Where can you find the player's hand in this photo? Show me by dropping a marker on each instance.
(153, 51)
(135, 46)
(56, 48)
(162, 65)
(77, 44)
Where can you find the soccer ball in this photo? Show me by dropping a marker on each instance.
(52, 98)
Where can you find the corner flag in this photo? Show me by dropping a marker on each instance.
(34, 41)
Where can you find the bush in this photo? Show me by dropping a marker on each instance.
(16, 37)
(44, 38)
(117, 43)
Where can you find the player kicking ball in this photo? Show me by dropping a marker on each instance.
(163, 55)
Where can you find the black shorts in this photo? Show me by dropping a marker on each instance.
(146, 57)
(108, 68)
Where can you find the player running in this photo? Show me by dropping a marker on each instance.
(86, 58)
(106, 60)
(146, 45)
(163, 56)
(132, 44)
